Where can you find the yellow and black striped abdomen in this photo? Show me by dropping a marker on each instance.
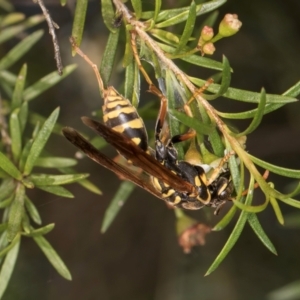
(121, 116)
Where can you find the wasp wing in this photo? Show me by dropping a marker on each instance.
(139, 157)
(80, 142)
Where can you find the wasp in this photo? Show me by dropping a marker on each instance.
(179, 183)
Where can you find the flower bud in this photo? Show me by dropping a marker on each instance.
(230, 25)
(207, 33)
(208, 49)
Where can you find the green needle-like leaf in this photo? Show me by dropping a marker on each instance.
(156, 10)
(55, 162)
(79, 20)
(129, 80)
(9, 167)
(16, 136)
(226, 219)
(226, 78)
(199, 126)
(16, 212)
(56, 190)
(188, 28)
(23, 116)
(46, 82)
(32, 211)
(109, 55)
(40, 141)
(256, 226)
(276, 169)
(8, 265)
(44, 179)
(175, 16)
(234, 234)
(20, 49)
(116, 204)
(277, 210)
(19, 87)
(7, 188)
(53, 257)
(13, 31)
(108, 14)
(258, 116)
(137, 6)
(40, 231)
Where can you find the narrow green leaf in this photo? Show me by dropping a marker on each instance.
(84, 182)
(24, 154)
(108, 14)
(188, 28)
(19, 87)
(129, 80)
(10, 246)
(291, 202)
(295, 192)
(250, 208)
(13, 31)
(44, 179)
(9, 167)
(16, 136)
(169, 13)
(243, 95)
(135, 100)
(12, 18)
(290, 291)
(137, 6)
(7, 188)
(79, 20)
(196, 60)
(40, 141)
(56, 190)
(254, 223)
(258, 116)
(108, 58)
(226, 79)
(20, 49)
(174, 16)
(128, 55)
(53, 257)
(277, 210)
(23, 116)
(172, 91)
(199, 126)
(8, 77)
(291, 173)
(124, 191)
(25, 225)
(294, 90)
(156, 10)
(46, 82)
(8, 266)
(32, 211)
(235, 234)
(226, 219)
(40, 231)
(6, 202)
(16, 212)
(55, 162)
(166, 37)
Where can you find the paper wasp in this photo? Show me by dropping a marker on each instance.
(179, 183)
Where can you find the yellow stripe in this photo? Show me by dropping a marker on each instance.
(168, 194)
(115, 113)
(136, 140)
(137, 123)
(117, 101)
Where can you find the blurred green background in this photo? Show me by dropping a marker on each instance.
(139, 257)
